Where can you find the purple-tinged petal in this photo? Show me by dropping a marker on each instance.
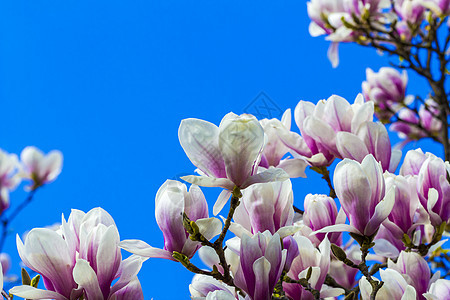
(261, 269)
(351, 146)
(132, 290)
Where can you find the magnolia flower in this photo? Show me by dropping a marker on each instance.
(407, 213)
(261, 262)
(324, 13)
(414, 268)
(265, 206)
(360, 188)
(81, 259)
(227, 156)
(386, 89)
(172, 200)
(395, 287)
(40, 168)
(432, 185)
(434, 189)
(319, 125)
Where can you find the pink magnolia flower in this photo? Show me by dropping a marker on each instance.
(264, 206)
(335, 128)
(228, 155)
(172, 200)
(360, 188)
(407, 213)
(386, 89)
(432, 185)
(322, 12)
(40, 168)
(326, 19)
(414, 268)
(319, 125)
(434, 189)
(81, 259)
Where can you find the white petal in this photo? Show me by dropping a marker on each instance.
(209, 227)
(269, 175)
(333, 54)
(221, 201)
(315, 30)
(85, 276)
(338, 228)
(29, 292)
(410, 293)
(209, 181)
(294, 167)
(141, 248)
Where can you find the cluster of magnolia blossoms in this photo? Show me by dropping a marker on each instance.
(341, 20)
(278, 252)
(79, 260)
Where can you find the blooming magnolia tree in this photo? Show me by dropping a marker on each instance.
(264, 247)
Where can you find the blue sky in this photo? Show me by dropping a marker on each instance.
(108, 82)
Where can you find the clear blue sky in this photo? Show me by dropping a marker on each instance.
(108, 82)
